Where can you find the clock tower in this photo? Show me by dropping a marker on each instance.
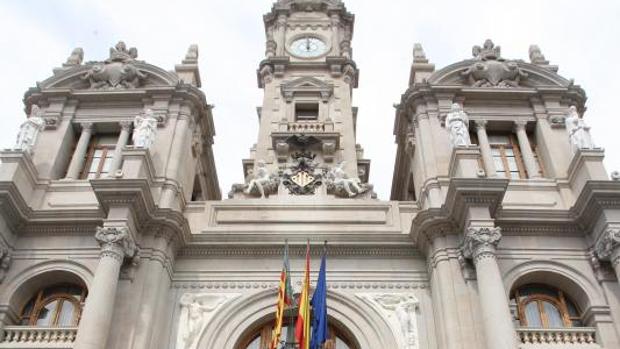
(307, 116)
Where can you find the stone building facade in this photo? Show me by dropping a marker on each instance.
(503, 228)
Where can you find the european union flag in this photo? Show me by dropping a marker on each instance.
(319, 308)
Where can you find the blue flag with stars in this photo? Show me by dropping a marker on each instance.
(319, 309)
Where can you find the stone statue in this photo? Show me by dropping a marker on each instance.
(578, 131)
(196, 311)
(457, 124)
(120, 53)
(76, 57)
(29, 130)
(343, 185)
(192, 55)
(536, 55)
(144, 129)
(261, 179)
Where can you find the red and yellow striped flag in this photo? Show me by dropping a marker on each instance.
(302, 328)
(285, 292)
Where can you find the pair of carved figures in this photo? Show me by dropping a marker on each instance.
(578, 131)
(457, 124)
(29, 130)
(144, 129)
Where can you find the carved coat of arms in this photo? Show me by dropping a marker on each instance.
(303, 176)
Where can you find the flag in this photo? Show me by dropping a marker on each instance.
(302, 328)
(319, 308)
(285, 297)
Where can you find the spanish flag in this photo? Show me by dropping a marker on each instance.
(285, 297)
(302, 328)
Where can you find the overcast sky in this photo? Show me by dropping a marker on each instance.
(581, 37)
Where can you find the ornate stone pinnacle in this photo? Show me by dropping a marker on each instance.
(191, 57)
(419, 56)
(116, 242)
(481, 241)
(608, 244)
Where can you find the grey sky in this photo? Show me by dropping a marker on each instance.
(581, 37)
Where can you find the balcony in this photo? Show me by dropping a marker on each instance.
(561, 338)
(15, 337)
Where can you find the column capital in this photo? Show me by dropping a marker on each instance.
(87, 126)
(520, 125)
(126, 125)
(608, 245)
(116, 242)
(481, 124)
(480, 242)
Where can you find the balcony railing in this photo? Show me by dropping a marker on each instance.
(306, 126)
(38, 337)
(578, 338)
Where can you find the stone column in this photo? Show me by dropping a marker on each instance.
(485, 148)
(77, 161)
(93, 330)
(608, 248)
(480, 244)
(184, 123)
(531, 165)
(123, 137)
(152, 291)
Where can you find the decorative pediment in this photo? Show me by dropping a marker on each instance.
(120, 71)
(308, 86)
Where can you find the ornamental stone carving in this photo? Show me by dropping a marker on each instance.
(5, 259)
(341, 185)
(480, 242)
(144, 129)
(259, 183)
(191, 57)
(303, 175)
(491, 70)
(29, 130)
(400, 311)
(615, 176)
(76, 57)
(116, 242)
(116, 72)
(607, 246)
(197, 310)
(578, 131)
(536, 56)
(457, 124)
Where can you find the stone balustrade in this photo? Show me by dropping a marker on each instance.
(38, 337)
(306, 126)
(579, 337)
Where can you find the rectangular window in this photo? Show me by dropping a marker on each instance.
(99, 156)
(506, 156)
(306, 111)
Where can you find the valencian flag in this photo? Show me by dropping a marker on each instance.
(319, 307)
(302, 328)
(285, 298)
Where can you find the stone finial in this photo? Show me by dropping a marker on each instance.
(419, 56)
(120, 53)
(536, 56)
(76, 57)
(615, 176)
(488, 51)
(191, 57)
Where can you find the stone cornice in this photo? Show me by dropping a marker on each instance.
(465, 192)
(595, 197)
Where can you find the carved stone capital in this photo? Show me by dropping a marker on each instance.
(87, 126)
(116, 242)
(607, 247)
(481, 124)
(481, 242)
(519, 125)
(126, 125)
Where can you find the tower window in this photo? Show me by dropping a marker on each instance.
(506, 156)
(306, 111)
(99, 156)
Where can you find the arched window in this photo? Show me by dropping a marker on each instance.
(540, 306)
(56, 306)
(261, 338)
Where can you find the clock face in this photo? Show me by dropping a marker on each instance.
(308, 47)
